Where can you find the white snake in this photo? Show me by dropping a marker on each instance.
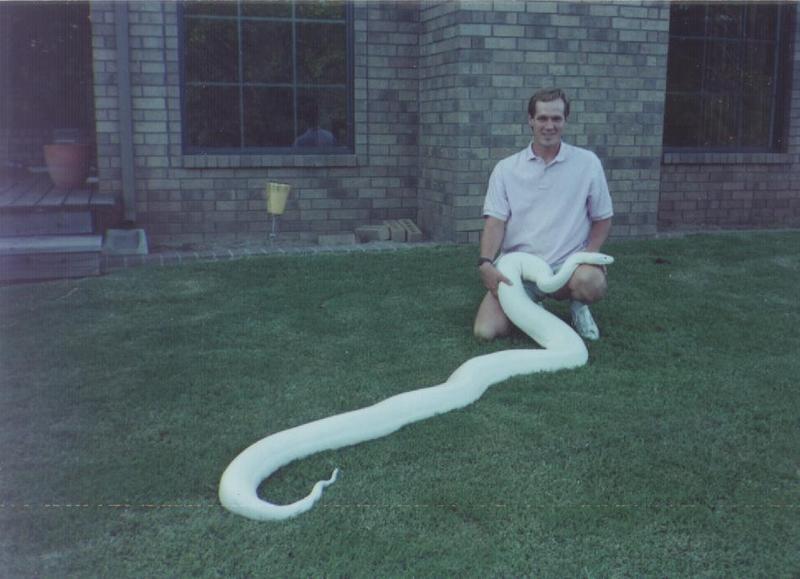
(563, 348)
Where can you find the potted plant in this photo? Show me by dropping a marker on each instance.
(67, 158)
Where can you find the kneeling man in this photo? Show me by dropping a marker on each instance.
(551, 200)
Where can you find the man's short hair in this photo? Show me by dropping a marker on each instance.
(546, 95)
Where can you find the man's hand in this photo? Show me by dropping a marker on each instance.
(492, 278)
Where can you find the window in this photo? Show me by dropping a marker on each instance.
(726, 76)
(267, 77)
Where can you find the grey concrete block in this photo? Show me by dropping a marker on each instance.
(125, 242)
(367, 233)
(413, 233)
(396, 231)
(336, 239)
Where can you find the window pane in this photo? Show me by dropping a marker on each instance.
(761, 21)
(322, 118)
(267, 51)
(719, 121)
(723, 71)
(321, 53)
(683, 118)
(259, 74)
(685, 65)
(757, 121)
(687, 20)
(327, 9)
(215, 8)
(726, 20)
(759, 64)
(212, 116)
(757, 90)
(264, 9)
(722, 85)
(211, 53)
(268, 117)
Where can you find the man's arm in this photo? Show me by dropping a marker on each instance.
(598, 234)
(494, 230)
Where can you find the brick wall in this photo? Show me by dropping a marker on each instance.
(441, 90)
(184, 199)
(701, 191)
(481, 61)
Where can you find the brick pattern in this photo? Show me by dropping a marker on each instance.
(701, 191)
(441, 90)
(481, 61)
(184, 199)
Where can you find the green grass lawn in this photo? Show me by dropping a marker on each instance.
(675, 452)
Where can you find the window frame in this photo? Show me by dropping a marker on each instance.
(270, 152)
(780, 97)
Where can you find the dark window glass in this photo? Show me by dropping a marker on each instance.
(321, 108)
(318, 60)
(725, 77)
(686, 64)
(211, 45)
(726, 20)
(325, 9)
(263, 9)
(267, 76)
(684, 126)
(267, 51)
(213, 8)
(268, 112)
(212, 116)
(687, 20)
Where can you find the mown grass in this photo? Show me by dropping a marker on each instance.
(675, 452)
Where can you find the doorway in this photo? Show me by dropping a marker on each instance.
(46, 79)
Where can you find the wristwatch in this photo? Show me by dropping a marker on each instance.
(482, 260)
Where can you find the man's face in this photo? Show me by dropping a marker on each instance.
(548, 123)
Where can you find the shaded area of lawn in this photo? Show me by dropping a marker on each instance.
(675, 452)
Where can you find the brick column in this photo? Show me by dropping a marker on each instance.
(481, 61)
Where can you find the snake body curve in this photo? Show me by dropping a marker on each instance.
(562, 349)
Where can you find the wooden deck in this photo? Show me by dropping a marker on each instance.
(50, 232)
(36, 191)
(31, 205)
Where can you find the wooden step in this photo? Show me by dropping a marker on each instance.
(40, 257)
(39, 221)
(31, 205)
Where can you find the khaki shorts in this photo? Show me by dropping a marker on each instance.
(538, 295)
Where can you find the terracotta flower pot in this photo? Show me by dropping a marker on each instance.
(67, 163)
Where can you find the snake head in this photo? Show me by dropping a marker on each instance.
(604, 259)
(592, 258)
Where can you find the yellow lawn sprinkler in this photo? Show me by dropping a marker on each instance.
(277, 194)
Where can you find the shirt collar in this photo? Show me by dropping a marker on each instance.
(563, 153)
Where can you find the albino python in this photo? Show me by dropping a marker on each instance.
(563, 348)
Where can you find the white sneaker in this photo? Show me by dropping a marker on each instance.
(583, 322)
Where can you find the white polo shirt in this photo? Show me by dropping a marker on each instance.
(548, 208)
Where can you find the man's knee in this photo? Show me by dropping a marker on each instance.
(491, 322)
(588, 284)
(489, 329)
